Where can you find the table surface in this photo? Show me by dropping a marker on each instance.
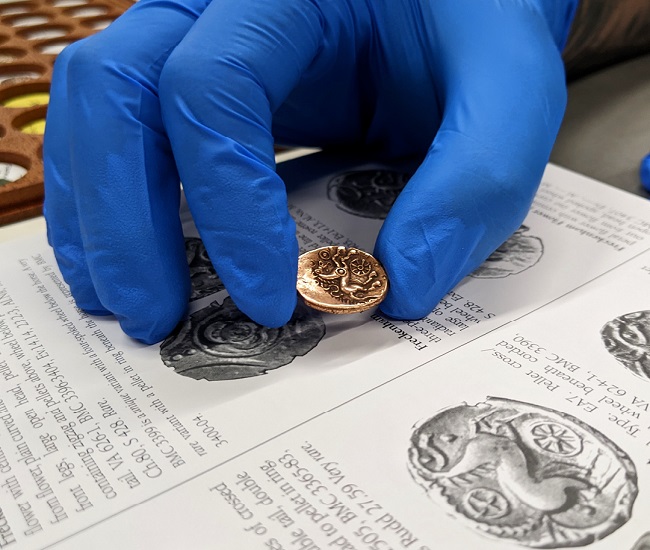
(606, 128)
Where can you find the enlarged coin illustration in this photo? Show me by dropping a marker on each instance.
(367, 193)
(220, 343)
(643, 543)
(204, 278)
(627, 338)
(517, 254)
(336, 279)
(524, 473)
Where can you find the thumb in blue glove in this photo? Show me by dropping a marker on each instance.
(500, 84)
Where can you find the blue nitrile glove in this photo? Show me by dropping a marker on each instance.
(644, 172)
(202, 88)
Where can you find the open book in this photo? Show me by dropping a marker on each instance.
(514, 415)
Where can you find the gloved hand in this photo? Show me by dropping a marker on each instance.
(200, 89)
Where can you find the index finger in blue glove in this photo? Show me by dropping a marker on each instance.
(503, 98)
(218, 91)
(122, 173)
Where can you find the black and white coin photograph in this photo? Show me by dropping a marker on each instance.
(519, 253)
(627, 339)
(367, 193)
(219, 342)
(524, 473)
(203, 276)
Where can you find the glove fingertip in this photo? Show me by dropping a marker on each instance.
(84, 294)
(152, 332)
(392, 309)
(272, 313)
(403, 309)
(154, 319)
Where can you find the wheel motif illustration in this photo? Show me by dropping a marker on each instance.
(360, 267)
(555, 438)
(483, 503)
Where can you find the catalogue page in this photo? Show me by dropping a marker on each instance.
(515, 413)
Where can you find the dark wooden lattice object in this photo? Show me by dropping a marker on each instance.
(32, 33)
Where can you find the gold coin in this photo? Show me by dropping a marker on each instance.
(336, 279)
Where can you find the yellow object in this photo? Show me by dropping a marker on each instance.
(27, 100)
(34, 127)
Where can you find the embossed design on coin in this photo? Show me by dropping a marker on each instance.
(524, 473)
(519, 253)
(204, 278)
(627, 338)
(336, 279)
(219, 342)
(367, 193)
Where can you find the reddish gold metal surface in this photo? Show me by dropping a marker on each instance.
(335, 279)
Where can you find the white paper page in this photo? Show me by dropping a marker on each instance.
(96, 426)
(562, 435)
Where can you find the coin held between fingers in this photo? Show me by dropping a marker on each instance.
(335, 279)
